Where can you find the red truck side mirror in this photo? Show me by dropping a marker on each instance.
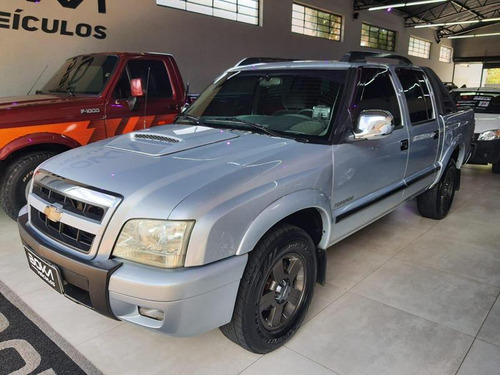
(136, 87)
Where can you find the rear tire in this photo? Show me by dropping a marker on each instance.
(17, 176)
(495, 168)
(435, 203)
(275, 290)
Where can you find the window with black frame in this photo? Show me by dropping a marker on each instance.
(288, 103)
(417, 95)
(375, 91)
(153, 74)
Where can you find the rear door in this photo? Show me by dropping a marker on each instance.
(368, 174)
(156, 107)
(422, 119)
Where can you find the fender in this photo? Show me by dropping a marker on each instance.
(37, 139)
(283, 207)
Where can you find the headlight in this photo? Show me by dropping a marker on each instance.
(489, 135)
(157, 243)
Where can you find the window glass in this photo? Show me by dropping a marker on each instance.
(419, 47)
(292, 103)
(246, 11)
(445, 54)
(377, 37)
(82, 75)
(314, 22)
(376, 91)
(417, 95)
(480, 101)
(158, 85)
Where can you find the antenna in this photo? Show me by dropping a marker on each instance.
(146, 98)
(38, 79)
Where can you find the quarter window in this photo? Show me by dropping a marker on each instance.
(419, 47)
(417, 95)
(246, 11)
(315, 22)
(377, 37)
(375, 91)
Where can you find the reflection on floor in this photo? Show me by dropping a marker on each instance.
(406, 295)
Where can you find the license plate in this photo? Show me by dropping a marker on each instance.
(45, 270)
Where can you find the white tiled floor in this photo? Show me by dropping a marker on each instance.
(406, 295)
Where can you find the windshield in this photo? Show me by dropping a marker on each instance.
(480, 101)
(82, 75)
(300, 103)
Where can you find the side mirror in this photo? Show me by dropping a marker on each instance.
(136, 87)
(373, 124)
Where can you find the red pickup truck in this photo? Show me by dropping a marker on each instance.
(91, 97)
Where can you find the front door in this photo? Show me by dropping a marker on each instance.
(156, 107)
(368, 174)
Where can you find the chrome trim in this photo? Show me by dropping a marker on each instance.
(107, 202)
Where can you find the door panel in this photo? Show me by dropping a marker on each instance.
(424, 130)
(368, 175)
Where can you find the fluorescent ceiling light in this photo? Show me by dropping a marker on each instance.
(407, 4)
(472, 36)
(456, 23)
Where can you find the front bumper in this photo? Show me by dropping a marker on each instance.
(485, 152)
(193, 300)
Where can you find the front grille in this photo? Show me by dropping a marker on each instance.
(73, 215)
(156, 137)
(61, 232)
(72, 205)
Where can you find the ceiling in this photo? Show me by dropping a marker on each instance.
(443, 12)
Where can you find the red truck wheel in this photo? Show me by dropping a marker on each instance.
(17, 178)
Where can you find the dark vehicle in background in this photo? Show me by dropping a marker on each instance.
(486, 105)
(90, 98)
(450, 86)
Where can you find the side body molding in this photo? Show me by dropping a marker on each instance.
(283, 207)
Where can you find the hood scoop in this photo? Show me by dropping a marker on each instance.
(169, 139)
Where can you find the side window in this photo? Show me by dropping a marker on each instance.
(417, 95)
(376, 91)
(158, 85)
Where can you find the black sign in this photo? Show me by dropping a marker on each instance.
(73, 4)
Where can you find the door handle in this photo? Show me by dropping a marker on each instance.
(404, 145)
(436, 134)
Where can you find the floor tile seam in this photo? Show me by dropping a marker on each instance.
(415, 315)
(487, 315)
(416, 263)
(251, 364)
(328, 305)
(487, 342)
(312, 360)
(465, 356)
(98, 335)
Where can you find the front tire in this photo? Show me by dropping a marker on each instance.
(275, 290)
(16, 181)
(435, 203)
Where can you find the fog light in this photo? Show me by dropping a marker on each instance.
(151, 313)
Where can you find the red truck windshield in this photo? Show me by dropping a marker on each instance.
(82, 75)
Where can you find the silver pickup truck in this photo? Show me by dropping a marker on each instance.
(223, 219)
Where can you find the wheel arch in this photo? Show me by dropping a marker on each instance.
(296, 208)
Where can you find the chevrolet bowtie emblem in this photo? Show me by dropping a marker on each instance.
(53, 213)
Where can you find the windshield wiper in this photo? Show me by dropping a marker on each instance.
(193, 119)
(260, 128)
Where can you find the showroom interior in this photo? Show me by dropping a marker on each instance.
(409, 290)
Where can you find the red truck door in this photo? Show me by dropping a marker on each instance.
(158, 106)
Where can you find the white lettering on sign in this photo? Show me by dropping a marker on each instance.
(42, 270)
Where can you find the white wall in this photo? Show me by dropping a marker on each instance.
(203, 46)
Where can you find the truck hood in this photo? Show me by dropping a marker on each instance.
(154, 173)
(486, 121)
(18, 102)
